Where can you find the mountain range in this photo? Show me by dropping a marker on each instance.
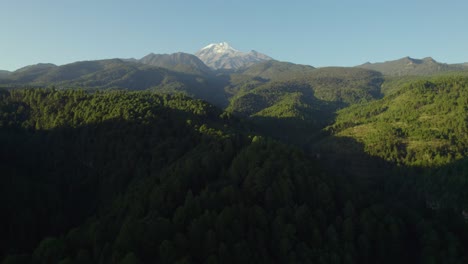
(223, 57)
(410, 66)
(225, 76)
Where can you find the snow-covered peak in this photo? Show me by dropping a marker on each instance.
(223, 56)
(220, 47)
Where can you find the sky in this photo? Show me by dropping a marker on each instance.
(314, 32)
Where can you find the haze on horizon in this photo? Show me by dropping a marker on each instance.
(318, 33)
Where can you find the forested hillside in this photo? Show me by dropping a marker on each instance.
(138, 177)
(424, 123)
(423, 128)
(180, 62)
(295, 108)
(342, 86)
(276, 70)
(413, 67)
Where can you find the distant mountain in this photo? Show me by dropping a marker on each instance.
(118, 74)
(50, 73)
(181, 62)
(465, 65)
(223, 56)
(273, 70)
(409, 66)
(31, 72)
(36, 67)
(4, 74)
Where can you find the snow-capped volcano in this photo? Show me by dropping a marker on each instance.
(223, 56)
(222, 47)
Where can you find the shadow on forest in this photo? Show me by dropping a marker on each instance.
(431, 187)
(61, 178)
(55, 179)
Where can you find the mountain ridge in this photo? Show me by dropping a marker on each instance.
(179, 61)
(411, 66)
(4, 74)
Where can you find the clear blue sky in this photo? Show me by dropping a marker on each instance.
(318, 33)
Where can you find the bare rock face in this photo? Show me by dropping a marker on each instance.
(223, 56)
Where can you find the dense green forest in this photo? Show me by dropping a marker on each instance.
(422, 126)
(144, 177)
(116, 162)
(413, 67)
